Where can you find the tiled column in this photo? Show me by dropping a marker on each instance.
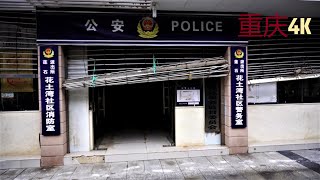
(235, 139)
(53, 148)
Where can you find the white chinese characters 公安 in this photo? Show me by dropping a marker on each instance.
(117, 25)
(91, 25)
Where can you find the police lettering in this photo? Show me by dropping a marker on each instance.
(197, 26)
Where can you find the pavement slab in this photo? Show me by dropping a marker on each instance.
(301, 160)
(100, 171)
(189, 168)
(242, 168)
(11, 173)
(47, 173)
(29, 173)
(64, 172)
(281, 170)
(272, 172)
(171, 169)
(293, 165)
(257, 165)
(153, 170)
(312, 155)
(286, 165)
(2, 171)
(135, 170)
(83, 172)
(207, 170)
(225, 168)
(118, 170)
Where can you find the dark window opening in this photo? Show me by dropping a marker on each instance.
(26, 99)
(299, 91)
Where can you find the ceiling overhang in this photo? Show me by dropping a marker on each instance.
(32, 5)
(291, 8)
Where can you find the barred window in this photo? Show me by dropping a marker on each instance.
(295, 91)
(299, 91)
(18, 62)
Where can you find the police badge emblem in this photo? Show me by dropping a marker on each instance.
(147, 28)
(239, 53)
(48, 53)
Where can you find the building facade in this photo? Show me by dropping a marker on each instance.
(84, 86)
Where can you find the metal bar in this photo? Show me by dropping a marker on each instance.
(12, 37)
(285, 44)
(277, 58)
(178, 71)
(19, 58)
(142, 53)
(309, 76)
(19, 64)
(18, 48)
(19, 76)
(279, 53)
(271, 49)
(12, 22)
(108, 1)
(287, 39)
(102, 4)
(150, 70)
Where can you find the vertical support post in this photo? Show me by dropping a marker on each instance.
(53, 146)
(79, 117)
(235, 133)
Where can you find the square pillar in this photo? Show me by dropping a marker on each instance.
(53, 148)
(234, 138)
(78, 106)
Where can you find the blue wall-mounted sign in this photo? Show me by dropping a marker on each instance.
(132, 28)
(238, 87)
(49, 75)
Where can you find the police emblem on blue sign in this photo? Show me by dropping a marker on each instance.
(239, 53)
(148, 28)
(238, 87)
(48, 53)
(49, 81)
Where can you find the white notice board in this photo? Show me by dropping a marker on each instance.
(262, 93)
(190, 96)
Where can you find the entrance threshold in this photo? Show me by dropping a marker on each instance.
(131, 154)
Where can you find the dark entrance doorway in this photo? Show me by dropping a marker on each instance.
(145, 109)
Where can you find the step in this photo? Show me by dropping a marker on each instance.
(10, 162)
(164, 153)
(284, 145)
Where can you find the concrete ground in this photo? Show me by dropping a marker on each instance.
(300, 164)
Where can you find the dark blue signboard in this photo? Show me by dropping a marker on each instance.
(137, 28)
(238, 87)
(49, 75)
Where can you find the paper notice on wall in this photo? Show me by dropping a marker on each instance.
(7, 95)
(15, 64)
(262, 93)
(17, 85)
(191, 96)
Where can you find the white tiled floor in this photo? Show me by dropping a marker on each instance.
(137, 142)
(130, 141)
(137, 145)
